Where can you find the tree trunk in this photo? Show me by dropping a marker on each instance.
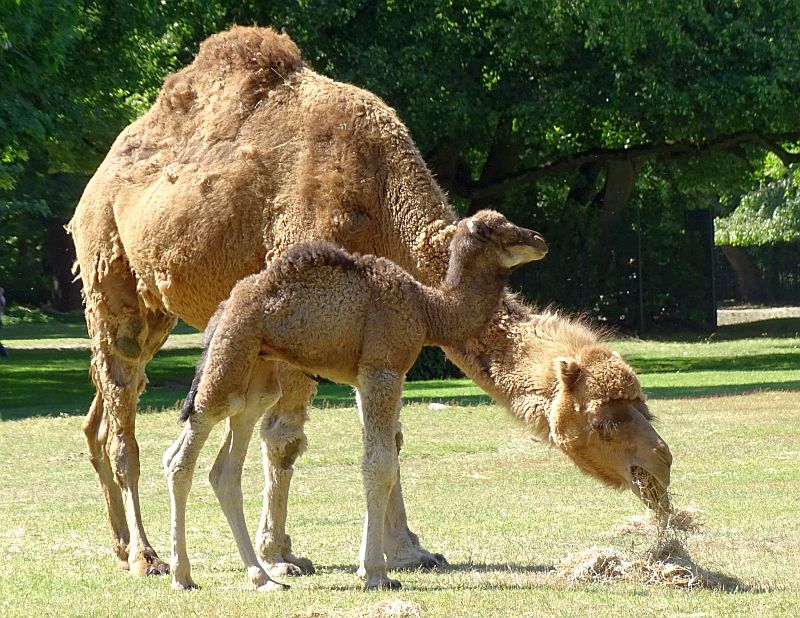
(751, 284)
(503, 160)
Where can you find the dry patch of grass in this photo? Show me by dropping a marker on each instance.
(392, 608)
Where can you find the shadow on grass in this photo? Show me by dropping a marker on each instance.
(721, 582)
(776, 328)
(56, 382)
(449, 392)
(720, 390)
(751, 362)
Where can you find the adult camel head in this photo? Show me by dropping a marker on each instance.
(599, 418)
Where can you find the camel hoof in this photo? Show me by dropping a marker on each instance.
(147, 567)
(433, 562)
(273, 586)
(297, 568)
(420, 559)
(382, 583)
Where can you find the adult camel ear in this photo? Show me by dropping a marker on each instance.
(569, 372)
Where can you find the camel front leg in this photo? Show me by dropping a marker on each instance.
(400, 544)
(379, 406)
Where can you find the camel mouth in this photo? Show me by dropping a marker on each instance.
(649, 489)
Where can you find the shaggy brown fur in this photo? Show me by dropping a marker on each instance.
(358, 320)
(246, 152)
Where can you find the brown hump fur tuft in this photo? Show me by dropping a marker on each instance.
(249, 49)
(251, 60)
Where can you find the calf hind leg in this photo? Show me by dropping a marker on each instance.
(226, 474)
(179, 462)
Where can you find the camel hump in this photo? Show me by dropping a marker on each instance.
(247, 59)
(249, 49)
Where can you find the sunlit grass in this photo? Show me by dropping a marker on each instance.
(503, 508)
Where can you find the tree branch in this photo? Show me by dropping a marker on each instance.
(676, 150)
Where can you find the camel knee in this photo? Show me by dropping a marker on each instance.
(379, 469)
(284, 442)
(285, 454)
(130, 336)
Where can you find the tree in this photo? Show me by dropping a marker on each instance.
(562, 110)
(73, 73)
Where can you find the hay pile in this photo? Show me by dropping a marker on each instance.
(666, 562)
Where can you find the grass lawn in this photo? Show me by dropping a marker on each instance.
(502, 508)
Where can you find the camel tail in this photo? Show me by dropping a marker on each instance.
(188, 403)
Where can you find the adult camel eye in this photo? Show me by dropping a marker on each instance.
(605, 427)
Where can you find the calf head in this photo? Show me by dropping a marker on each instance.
(502, 243)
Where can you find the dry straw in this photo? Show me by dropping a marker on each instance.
(666, 562)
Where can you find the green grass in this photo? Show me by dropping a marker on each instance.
(503, 508)
(50, 380)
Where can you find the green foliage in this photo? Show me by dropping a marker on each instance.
(22, 274)
(543, 81)
(432, 364)
(768, 215)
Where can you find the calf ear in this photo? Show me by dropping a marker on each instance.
(569, 371)
(478, 229)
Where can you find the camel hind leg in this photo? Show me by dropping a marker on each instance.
(125, 336)
(282, 442)
(401, 545)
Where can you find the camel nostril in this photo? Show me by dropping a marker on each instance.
(663, 454)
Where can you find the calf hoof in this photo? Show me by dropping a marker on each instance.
(185, 585)
(263, 582)
(382, 583)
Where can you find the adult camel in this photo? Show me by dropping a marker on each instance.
(245, 152)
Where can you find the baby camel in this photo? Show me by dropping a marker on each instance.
(354, 319)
